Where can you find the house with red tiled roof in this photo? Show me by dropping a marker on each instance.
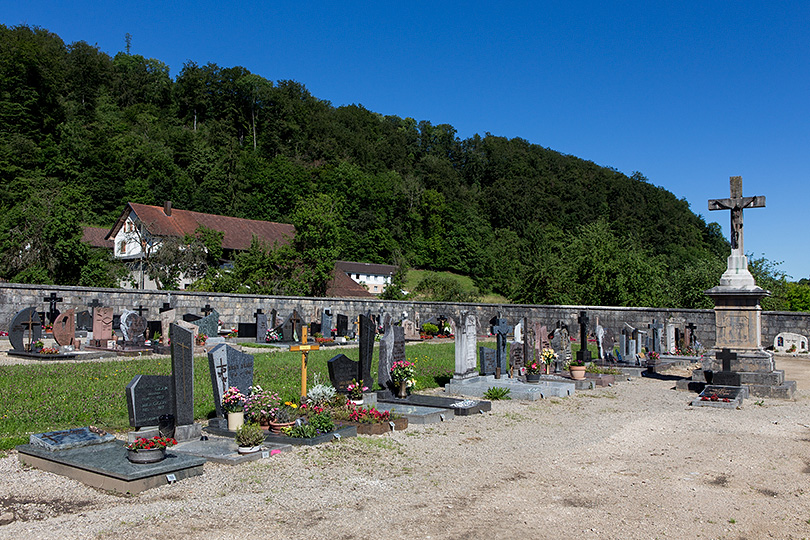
(141, 229)
(374, 277)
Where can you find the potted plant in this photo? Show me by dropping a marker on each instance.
(317, 424)
(37, 346)
(249, 438)
(533, 372)
(233, 404)
(152, 450)
(403, 375)
(577, 369)
(356, 390)
(260, 406)
(284, 417)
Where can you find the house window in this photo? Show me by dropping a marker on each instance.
(357, 276)
(122, 247)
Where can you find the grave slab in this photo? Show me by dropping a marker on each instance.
(417, 414)
(460, 407)
(224, 450)
(106, 466)
(477, 387)
(723, 397)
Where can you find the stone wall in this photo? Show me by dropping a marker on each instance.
(238, 308)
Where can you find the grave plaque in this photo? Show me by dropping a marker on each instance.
(367, 335)
(229, 367)
(24, 321)
(183, 374)
(516, 355)
(148, 398)
(342, 325)
(209, 325)
(488, 360)
(392, 349)
(69, 438)
(102, 323)
(730, 397)
(342, 370)
(64, 328)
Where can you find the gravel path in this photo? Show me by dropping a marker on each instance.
(631, 461)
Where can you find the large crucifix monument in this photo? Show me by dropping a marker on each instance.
(738, 315)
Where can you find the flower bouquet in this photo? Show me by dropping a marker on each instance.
(152, 450)
(261, 405)
(233, 400)
(356, 390)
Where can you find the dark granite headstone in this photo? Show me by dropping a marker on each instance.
(516, 360)
(342, 370)
(25, 321)
(342, 325)
(261, 327)
(248, 330)
(367, 334)
(229, 367)
(68, 438)
(500, 328)
(84, 321)
(209, 325)
(488, 360)
(392, 349)
(183, 374)
(191, 317)
(64, 328)
(288, 329)
(148, 398)
(726, 377)
(326, 323)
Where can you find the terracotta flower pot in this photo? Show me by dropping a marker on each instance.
(577, 372)
(276, 427)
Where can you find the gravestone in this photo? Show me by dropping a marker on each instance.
(726, 377)
(166, 319)
(466, 343)
(288, 328)
(583, 354)
(689, 334)
(342, 325)
(561, 342)
(789, 342)
(25, 321)
(273, 321)
(516, 359)
(488, 359)
(84, 321)
(229, 367)
(64, 328)
(500, 328)
(672, 342)
(209, 325)
(411, 330)
(518, 331)
(342, 370)
(367, 334)
(102, 325)
(182, 343)
(326, 323)
(654, 343)
(52, 300)
(261, 326)
(392, 349)
(191, 317)
(133, 326)
(148, 398)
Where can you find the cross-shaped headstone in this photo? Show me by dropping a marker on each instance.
(258, 312)
(52, 300)
(690, 333)
(736, 203)
(207, 309)
(140, 310)
(500, 327)
(94, 304)
(726, 356)
(166, 307)
(583, 354)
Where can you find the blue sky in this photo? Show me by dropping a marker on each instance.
(686, 93)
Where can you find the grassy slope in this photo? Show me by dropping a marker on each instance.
(415, 276)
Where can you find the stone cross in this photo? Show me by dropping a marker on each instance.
(726, 356)
(736, 203)
(52, 300)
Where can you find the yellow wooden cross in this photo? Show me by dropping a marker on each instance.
(304, 348)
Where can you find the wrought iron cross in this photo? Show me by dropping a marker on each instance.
(207, 309)
(736, 203)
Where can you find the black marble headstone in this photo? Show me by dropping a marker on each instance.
(84, 321)
(229, 367)
(342, 370)
(183, 374)
(367, 335)
(24, 321)
(191, 317)
(148, 398)
(342, 325)
(488, 360)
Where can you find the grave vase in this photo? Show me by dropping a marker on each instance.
(146, 456)
(357, 401)
(402, 391)
(249, 449)
(236, 420)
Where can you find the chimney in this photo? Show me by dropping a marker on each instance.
(167, 208)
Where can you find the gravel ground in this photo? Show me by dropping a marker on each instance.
(631, 461)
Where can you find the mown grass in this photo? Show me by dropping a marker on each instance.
(46, 397)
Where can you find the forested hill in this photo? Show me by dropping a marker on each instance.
(82, 133)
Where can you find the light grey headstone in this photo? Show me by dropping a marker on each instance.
(466, 346)
(167, 318)
(229, 367)
(209, 325)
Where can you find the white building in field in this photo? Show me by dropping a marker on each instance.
(374, 277)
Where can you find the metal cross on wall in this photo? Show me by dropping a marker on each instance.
(726, 356)
(140, 310)
(207, 309)
(52, 300)
(736, 203)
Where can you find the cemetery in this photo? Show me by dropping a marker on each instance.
(203, 396)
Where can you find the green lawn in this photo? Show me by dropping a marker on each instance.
(415, 276)
(46, 397)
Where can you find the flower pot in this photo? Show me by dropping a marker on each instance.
(235, 420)
(402, 391)
(276, 427)
(577, 372)
(357, 401)
(532, 377)
(146, 456)
(249, 449)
